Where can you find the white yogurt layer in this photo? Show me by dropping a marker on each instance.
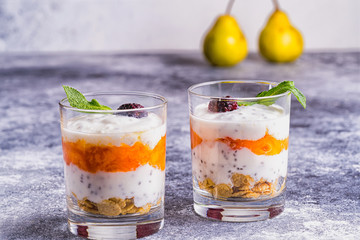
(115, 129)
(145, 184)
(246, 122)
(217, 161)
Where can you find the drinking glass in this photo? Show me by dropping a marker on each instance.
(114, 165)
(239, 149)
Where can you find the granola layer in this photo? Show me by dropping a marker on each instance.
(243, 186)
(114, 207)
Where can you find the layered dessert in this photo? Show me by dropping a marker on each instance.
(239, 151)
(114, 164)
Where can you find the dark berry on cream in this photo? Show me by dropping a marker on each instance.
(136, 114)
(221, 105)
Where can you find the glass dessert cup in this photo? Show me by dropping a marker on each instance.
(114, 165)
(239, 150)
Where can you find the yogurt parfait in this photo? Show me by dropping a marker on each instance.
(114, 162)
(239, 148)
(241, 153)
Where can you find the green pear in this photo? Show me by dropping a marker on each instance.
(279, 41)
(225, 44)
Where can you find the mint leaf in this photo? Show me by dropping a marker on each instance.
(282, 88)
(77, 100)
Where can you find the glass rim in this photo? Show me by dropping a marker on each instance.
(255, 81)
(132, 93)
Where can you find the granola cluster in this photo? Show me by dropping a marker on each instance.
(113, 207)
(243, 186)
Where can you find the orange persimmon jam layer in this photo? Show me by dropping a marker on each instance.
(195, 139)
(267, 145)
(109, 158)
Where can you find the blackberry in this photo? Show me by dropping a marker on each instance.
(221, 105)
(136, 114)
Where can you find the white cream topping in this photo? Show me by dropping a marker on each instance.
(115, 129)
(145, 184)
(246, 122)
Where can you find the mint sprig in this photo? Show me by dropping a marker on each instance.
(279, 89)
(77, 100)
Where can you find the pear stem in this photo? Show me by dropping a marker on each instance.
(276, 4)
(229, 7)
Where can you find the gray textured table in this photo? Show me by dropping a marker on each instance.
(323, 194)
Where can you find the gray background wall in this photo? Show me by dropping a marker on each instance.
(137, 25)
